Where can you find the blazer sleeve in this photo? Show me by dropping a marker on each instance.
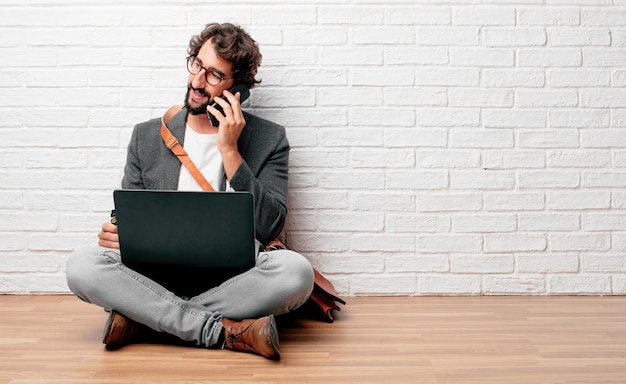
(264, 173)
(132, 170)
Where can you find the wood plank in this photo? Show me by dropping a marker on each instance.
(516, 339)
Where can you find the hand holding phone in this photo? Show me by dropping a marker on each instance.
(244, 93)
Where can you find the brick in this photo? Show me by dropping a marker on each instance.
(447, 77)
(397, 283)
(549, 222)
(411, 55)
(391, 77)
(534, 57)
(359, 222)
(498, 118)
(442, 284)
(546, 98)
(549, 16)
(303, 35)
(602, 98)
(577, 200)
(483, 16)
(416, 96)
(483, 180)
(484, 223)
(448, 36)
(387, 201)
(579, 118)
(607, 179)
(390, 158)
(543, 263)
(446, 243)
(417, 223)
(379, 242)
(396, 117)
(513, 285)
(513, 159)
(445, 117)
(415, 137)
(579, 37)
(383, 35)
(447, 159)
(315, 77)
(548, 179)
(47, 282)
(398, 263)
(327, 158)
(578, 242)
(364, 137)
(554, 138)
(513, 37)
(476, 97)
(445, 202)
(504, 263)
(579, 284)
(506, 77)
(602, 16)
(482, 57)
(416, 180)
(340, 96)
(602, 263)
(514, 242)
(319, 199)
(418, 16)
(603, 221)
(481, 138)
(577, 158)
(348, 15)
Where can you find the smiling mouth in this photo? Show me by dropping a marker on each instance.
(198, 93)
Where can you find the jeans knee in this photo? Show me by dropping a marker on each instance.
(80, 270)
(301, 274)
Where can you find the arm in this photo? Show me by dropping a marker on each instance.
(268, 185)
(132, 170)
(255, 154)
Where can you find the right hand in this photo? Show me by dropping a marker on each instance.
(108, 236)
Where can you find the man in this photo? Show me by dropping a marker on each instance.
(242, 153)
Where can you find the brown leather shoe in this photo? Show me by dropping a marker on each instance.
(120, 330)
(258, 336)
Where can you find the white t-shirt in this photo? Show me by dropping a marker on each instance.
(202, 150)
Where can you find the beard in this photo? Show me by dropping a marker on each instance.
(200, 109)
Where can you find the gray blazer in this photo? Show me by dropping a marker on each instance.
(262, 144)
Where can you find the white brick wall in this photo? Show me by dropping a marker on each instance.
(459, 147)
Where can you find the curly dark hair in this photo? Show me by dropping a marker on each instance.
(233, 44)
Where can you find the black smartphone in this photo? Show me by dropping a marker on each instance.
(244, 93)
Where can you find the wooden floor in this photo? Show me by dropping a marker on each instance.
(57, 339)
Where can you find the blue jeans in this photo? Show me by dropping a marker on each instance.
(281, 281)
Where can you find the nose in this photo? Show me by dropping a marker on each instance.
(199, 79)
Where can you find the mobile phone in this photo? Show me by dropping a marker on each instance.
(244, 93)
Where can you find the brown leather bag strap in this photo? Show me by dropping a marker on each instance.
(172, 143)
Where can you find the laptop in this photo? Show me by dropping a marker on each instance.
(174, 237)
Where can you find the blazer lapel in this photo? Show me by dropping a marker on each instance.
(171, 164)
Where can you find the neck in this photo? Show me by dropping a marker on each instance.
(201, 123)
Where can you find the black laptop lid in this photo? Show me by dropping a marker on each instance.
(186, 229)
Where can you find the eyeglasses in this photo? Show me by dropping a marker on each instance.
(211, 75)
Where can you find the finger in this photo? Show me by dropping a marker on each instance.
(233, 98)
(109, 227)
(109, 244)
(219, 116)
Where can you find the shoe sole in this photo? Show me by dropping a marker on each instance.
(272, 338)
